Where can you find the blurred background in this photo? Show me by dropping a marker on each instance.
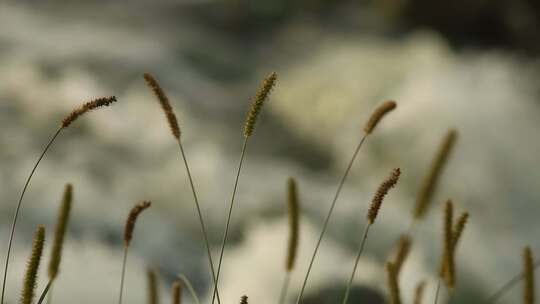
(472, 65)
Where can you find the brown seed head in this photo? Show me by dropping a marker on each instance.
(528, 273)
(132, 218)
(458, 229)
(376, 202)
(393, 284)
(403, 249)
(446, 270)
(244, 300)
(257, 103)
(176, 292)
(429, 186)
(86, 107)
(30, 277)
(378, 114)
(60, 232)
(419, 292)
(294, 219)
(165, 104)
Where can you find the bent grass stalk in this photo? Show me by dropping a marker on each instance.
(66, 122)
(368, 129)
(294, 217)
(190, 288)
(249, 126)
(373, 211)
(175, 130)
(128, 235)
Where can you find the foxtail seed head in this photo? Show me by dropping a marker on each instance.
(528, 271)
(446, 271)
(257, 103)
(378, 114)
(60, 232)
(176, 292)
(244, 300)
(294, 219)
(419, 292)
(153, 295)
(376, 203)
(165, 104)
(429, 186)
(86, 107)
(132, 218)
(403, 249)
(393, 284)
(30, 277)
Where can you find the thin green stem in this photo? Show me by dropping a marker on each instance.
(285, 287)
(231, 207)
(44, 293)
(189, 287)
(438, 290)
(201, 219)
(16, 215)
(360, 250)
(123, 274)
(330, 211)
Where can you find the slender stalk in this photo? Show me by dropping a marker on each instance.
(50, 292)
(189, 287)
(360, 250)
(201, 219)
(285, 287)
(45, 291)
(123, 274)
(508, 285)
(330, 211)
(231, 207)
(16, 215)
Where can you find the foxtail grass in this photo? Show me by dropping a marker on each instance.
(249, 126)
(175, 130)
(152, 283)
(244, 300)
(403, 249)
(128, 236)
(373, 211)
(292, 247)
(528, 286)
(419, 292)
(373, 121)
(30, 277)
(66, 122)
(59, 235)
(176, 292)
(393, 284)
(431, 181)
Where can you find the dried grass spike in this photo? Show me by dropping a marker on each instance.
(153, 296)
(132, 218)
(294, 216)
(176, 292)
(86, 107)
(257, 103)
(446, 271)
(458, 229)
(30, 278)
(431, 181)
(528, 271)
(165, 104)
(378, 114)
(60, 231)
(393, 284)
(403, 249)
(244, 300)
(419, 292)
(376, 202)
